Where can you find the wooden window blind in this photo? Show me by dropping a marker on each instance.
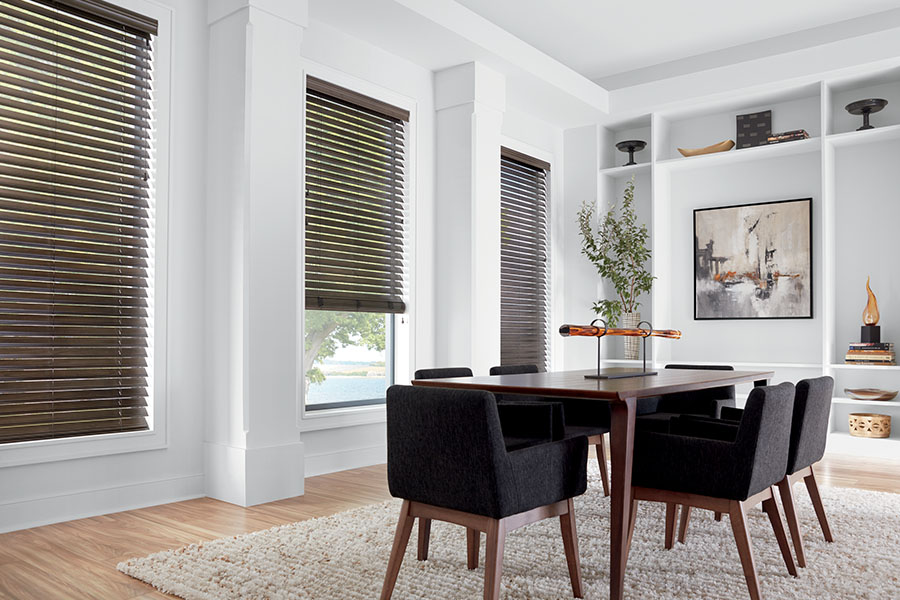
(523, 260)
(76, 218)
(355, 201)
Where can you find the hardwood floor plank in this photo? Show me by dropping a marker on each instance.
(77, 559)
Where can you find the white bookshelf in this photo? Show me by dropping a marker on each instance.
(853, 179)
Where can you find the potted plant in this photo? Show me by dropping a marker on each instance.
(619, 251)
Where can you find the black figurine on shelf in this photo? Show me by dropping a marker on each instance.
(631, 146)
(865, 108)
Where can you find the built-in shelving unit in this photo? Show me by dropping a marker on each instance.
(853, 179)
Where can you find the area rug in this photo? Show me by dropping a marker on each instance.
(344, 557)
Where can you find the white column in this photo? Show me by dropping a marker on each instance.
(252, 442)
(469, 102)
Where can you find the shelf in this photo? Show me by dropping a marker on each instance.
(741, 156)
(871, 403)
(866, 367)
(869, 136)
(844, 443)
(625, 170)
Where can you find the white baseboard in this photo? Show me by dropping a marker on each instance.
(34, 512)
(341, 460)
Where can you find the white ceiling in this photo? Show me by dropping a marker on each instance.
(601, 38)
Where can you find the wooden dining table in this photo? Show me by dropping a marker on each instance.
(622, 395)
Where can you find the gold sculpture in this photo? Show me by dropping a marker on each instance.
(593, 331)
(870, 314)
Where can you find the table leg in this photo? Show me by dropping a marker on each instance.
(622, 446)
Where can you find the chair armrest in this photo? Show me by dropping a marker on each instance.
(703, 427)
(732, 414)
(550, 472)
(527, 420)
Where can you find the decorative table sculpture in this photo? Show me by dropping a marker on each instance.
(871, 332)
(865, 108)
(631, 146)
(593, 330)
(720, 147)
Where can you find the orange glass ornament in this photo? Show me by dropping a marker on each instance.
(870, 314)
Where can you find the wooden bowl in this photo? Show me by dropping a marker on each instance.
(870, 394)
(870, 425)
(720, 147)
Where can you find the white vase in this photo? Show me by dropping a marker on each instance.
(632, 344)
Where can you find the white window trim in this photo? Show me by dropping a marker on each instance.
(314, 420)
(41, 451)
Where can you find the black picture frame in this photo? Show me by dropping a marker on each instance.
(807, 279)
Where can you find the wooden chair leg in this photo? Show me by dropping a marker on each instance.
(771, 509)
(473, 543)
(813, 487)
(742, 538)
(685, 521)
(401, 539)
(601, 460)
(424, 537)
(493, 560)
(632, 518)
(671, 514)
(570, 544)
(718, 516)
(790, 514)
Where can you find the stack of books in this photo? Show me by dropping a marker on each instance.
(788, 136)
(861, 353)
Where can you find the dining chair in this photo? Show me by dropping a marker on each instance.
(447, 461)
(523, 422)
(724, 471)
(655, 413)
(809, 433)
(589, 418)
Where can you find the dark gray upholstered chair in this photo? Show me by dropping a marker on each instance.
(809, 433)
(524, 423)
(589, 418)
(655, 413)
(447, 461)
(724, 476)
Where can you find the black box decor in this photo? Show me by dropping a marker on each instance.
(754, 129)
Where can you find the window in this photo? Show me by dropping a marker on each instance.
(523, 260)
(76, 219)
(355, 244)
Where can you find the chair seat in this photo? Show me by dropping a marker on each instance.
(585, 430)
(514, 442)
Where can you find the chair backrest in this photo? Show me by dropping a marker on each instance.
(445, 447)
(699, 401)
(809, 428)
(442, 373)
(514, 369)
(764, 437)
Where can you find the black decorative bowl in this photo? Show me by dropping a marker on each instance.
(865, 108)
(631, 146)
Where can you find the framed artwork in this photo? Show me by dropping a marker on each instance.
(754, 261)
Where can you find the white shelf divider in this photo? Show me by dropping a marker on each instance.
(625, 170)
(868, 136)
(733, 157)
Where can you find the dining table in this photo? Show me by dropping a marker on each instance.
(621, 395)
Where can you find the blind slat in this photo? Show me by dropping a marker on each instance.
(76, 219)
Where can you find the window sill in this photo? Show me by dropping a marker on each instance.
(42, 451)
(315, 420)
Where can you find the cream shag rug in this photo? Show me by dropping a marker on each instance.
(344, 557)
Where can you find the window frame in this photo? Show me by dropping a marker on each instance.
(555, 226)
(57, 449)
(347, 416)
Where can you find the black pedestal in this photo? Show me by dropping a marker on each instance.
(870, 334)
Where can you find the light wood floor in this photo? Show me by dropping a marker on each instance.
(78, 559)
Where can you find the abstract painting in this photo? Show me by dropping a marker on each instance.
(753, 261)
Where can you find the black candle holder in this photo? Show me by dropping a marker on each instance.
(865, 108)
(631, 146)
(622, 373)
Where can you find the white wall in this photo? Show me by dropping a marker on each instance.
(53, 491)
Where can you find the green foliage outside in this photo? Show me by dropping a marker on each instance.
(327, 331)
(619, 251)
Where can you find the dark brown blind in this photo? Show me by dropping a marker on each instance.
(76, 219)
(523, 261)
(355, 202)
